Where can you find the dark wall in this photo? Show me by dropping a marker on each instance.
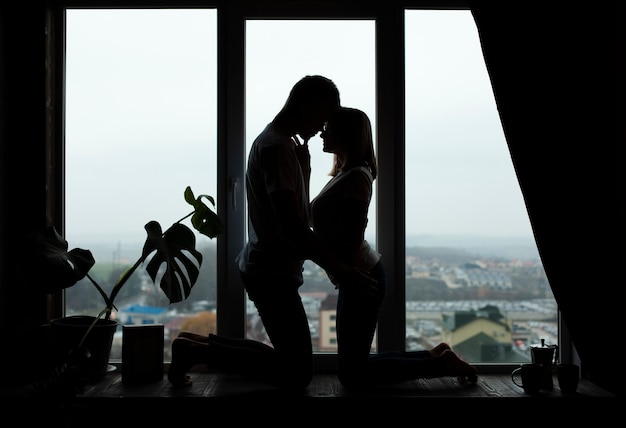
(22, 161)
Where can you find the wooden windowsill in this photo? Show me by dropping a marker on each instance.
(209, 384)
(229, 396)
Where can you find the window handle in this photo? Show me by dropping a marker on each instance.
(234, 182)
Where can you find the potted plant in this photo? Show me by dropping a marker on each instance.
(169, 257)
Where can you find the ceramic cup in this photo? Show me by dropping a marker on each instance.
(568, 376)
(530, 375)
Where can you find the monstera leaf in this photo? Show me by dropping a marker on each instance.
(204, 220)
(49, 266)
(175, 250)
(170, 258)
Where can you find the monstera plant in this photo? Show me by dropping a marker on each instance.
(59, 268)
(169, 257)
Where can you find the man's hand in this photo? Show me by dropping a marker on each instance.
(302, 153)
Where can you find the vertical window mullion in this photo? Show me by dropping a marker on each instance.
(231, 169)
(390, 214)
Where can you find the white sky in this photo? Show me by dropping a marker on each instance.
(141, 80)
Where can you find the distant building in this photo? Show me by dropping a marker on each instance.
(327, 327)
(482, 335)
(477, 276)
(140, 314)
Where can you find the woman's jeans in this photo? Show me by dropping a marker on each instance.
(357, 318)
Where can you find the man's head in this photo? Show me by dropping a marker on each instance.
(309, 103)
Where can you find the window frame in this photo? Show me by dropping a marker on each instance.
(231, 145)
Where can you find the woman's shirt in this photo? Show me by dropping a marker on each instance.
(339, 216)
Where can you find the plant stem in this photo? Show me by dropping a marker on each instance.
(187, 216)
(120, 282)
(108, 301)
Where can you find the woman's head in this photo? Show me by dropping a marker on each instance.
(348, 134)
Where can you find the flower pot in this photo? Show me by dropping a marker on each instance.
(91, 360)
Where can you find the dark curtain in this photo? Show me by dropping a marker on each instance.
(552, 69)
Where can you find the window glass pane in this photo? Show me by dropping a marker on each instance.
(278, 54)
(140, 128)
(473, 274)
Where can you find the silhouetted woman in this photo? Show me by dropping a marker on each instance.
(339, 216)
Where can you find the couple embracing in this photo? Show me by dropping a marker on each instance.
(287, 227)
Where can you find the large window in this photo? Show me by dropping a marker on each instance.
(141, 126)
(473, 274)
(149, 110)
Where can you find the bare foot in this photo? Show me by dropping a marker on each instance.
(181, 363)
(438, 350)
(454, 366)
